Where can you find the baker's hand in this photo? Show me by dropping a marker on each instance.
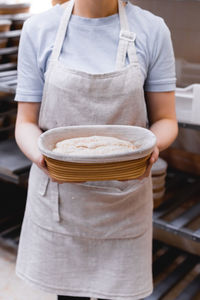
(41, 163)
(151, 161)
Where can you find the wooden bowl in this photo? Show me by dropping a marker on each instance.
(18, 20)
(16, 8)
(158, 196)
(158, 180)
(14, 42)
(3, 43)
(12, 58)
(159, 168)
(5, 25)
(100, 167)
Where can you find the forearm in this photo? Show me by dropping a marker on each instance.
(26, 135)
(166, 131)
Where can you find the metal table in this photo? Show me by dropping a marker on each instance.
(8, 81)
(14, 166)
(177, 220)
(176, 274)
(189, 125)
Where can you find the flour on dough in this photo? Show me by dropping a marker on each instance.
(93, 145)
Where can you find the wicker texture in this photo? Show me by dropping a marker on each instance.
(70, 172)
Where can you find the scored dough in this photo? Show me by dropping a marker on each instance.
(94, 145)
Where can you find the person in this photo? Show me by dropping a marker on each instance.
(86, 63)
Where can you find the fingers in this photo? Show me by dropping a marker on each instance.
(151, 161)
(41, 163)
(154, 156)
(146, 173)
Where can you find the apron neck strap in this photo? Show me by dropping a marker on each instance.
(122, 16)
(62, 30)
(126, 38)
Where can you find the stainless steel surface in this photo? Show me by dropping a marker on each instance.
(177, 219)
(176, 274)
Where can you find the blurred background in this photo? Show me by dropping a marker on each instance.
(36, 6)
(176, 177)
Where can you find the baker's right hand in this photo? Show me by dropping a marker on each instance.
(41, 163)
(43, 166)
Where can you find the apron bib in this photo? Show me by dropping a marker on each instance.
(100, 222)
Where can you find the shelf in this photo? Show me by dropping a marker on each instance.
(189, 125)
(8, 81)
(12, 206)
(7, 67)
(177, 219)
(6, 74)
(14, 166)
(10, 236)
(176, 274)
(8, 50)
(10, 34)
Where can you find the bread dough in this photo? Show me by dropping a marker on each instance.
(93, 145)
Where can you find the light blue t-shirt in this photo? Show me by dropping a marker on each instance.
(91, 45)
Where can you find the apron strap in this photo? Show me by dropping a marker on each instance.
(126, 41)
(55, 201)
(126, 38)
(62, 30)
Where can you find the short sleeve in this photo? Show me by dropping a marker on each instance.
(30, 79)
(161, 74)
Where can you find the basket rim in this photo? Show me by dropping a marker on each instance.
(139, 153)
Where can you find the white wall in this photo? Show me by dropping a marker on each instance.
(39, 5)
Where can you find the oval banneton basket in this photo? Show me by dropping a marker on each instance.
(74, 168)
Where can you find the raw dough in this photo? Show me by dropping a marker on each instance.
(94, 145)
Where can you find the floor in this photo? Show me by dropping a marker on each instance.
(13, 288)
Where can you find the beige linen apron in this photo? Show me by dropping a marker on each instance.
(89, 239)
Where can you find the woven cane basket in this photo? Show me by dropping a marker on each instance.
(75, 168)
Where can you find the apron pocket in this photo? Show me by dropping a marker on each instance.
(55, 201)
(103, 210)
(43, 186)
(108, 185)
(43, 199)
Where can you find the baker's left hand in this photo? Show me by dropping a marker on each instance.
(151, 161)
